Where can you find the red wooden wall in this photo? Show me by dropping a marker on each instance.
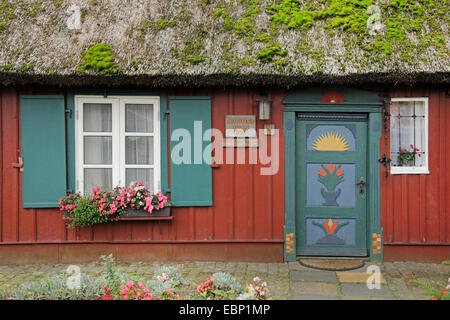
(248, 208)
(415, 207)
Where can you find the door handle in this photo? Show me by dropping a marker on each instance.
(361, 184)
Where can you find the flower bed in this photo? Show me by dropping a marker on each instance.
(120, 203)
(167, 283)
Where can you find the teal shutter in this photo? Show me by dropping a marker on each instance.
(191, 178)
(42, 128)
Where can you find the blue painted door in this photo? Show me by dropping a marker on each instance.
(330, 184)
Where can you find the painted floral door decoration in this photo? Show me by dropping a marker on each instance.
(330, 176)
(331, 229)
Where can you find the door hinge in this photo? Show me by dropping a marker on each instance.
(69, 112)
(166, 113)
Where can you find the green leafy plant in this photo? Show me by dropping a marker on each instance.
(226, 282)
(408, 155)
(437, 294)
(113, 277)
(85, 213)
(56, 288)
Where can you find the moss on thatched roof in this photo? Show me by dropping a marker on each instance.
(201, 42)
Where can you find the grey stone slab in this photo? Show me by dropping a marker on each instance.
(313, 297)
(359, 289)
(313, 276)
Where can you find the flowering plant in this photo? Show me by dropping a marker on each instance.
(69, 202)
(408, 155)
(211, 291)
(111, 204)
(131, 291)
(107, 295)
(168, 295)
(255, 290)
(106, 201)
(206, 289)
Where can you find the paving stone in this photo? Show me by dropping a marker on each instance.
(313, 297)
(357, 277)
(363, 298)
(297, 266)
(284, 267)
(316, 288)
(322, 276)
(272, 268)
(358, 289)
(399, 289)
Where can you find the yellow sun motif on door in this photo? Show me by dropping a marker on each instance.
(330, 141)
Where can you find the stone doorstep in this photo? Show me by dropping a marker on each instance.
(357, 277)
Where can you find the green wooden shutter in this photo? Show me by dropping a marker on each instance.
(42, 128)
(191, 181)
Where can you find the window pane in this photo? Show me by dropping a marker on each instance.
(139, 118)
(97, 150)
(395, 109)
(94, 178)
(97, 117)
(395, 159)
(419, 137)
(144, 175)
(419, 108)
(395, 134)
(406, 108)
(139, 150)
(406, 132)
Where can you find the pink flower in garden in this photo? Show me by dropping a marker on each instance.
(164, 277)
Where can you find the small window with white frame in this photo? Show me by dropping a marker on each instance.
(117, 141)
(409, 135)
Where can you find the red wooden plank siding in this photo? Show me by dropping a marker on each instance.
(10, 205)
(415, 207)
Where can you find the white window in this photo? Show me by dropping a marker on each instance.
(117, 141)
(409, 135)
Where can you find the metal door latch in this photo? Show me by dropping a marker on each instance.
(19, 165)
(361, 184)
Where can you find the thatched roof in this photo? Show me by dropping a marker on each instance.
(223, 42)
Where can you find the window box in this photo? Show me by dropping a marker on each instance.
(131, 214)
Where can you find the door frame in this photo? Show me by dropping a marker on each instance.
(334, 99)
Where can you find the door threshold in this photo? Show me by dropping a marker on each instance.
(332, 258)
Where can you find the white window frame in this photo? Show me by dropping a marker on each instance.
(118, 138)
(423, 169)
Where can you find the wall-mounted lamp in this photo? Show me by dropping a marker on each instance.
(264, 108)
